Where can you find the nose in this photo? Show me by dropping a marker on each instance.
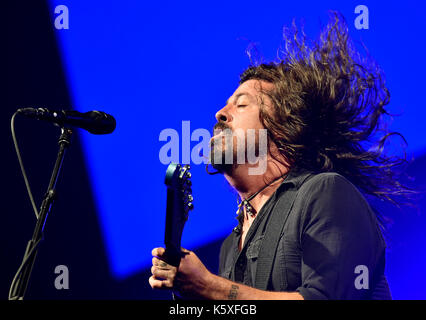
(223, 115)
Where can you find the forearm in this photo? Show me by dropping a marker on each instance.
(219, 288)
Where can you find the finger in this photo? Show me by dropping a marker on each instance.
(156, 269)
(160, 284)
(160, 263)
(155, 284)
(185, 250)
(161, 273)
(158, 252)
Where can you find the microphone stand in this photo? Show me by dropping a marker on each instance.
(20, 282)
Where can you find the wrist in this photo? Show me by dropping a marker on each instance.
(216, 287)
(208, 285)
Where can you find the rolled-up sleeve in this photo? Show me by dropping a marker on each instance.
(339, 236)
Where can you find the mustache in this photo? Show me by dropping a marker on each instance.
(221, 126)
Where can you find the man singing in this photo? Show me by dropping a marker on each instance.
(306, 230)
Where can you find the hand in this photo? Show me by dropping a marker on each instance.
(189, 280)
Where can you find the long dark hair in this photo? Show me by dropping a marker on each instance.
(329, 108)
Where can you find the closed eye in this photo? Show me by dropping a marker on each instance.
(241, 105)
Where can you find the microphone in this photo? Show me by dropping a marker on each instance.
(96, 122)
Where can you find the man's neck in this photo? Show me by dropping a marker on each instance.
(246, 185)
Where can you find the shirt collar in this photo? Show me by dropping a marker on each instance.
(296, 177)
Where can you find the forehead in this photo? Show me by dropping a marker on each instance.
(250, 89)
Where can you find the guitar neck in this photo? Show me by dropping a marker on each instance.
(179, 202)
(173, 232)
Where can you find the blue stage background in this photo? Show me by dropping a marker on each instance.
(155, 64)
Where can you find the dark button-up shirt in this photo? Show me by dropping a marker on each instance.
(330, 246)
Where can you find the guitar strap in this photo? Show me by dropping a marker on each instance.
(273, 233)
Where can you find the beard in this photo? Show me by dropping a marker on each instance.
(229, 148)
(221, 150)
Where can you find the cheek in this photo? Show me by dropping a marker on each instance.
(250, 120)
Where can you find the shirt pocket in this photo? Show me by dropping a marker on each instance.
(254, 248)
(252, 255)
(286, 273)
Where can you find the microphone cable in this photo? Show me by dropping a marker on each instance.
(21, 164)
(24, 174)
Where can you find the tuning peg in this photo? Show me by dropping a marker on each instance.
(188, 195)
(187, 189)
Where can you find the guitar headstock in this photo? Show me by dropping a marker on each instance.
(178, 178)
(179, 202)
